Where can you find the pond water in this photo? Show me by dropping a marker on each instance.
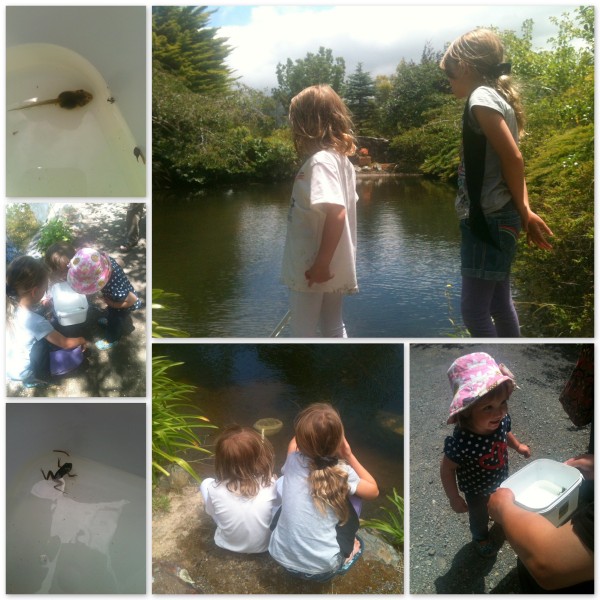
(221, 251)
(242, 383)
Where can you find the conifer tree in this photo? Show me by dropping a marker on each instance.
(185, 46)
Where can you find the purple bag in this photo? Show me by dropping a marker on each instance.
(65, 361)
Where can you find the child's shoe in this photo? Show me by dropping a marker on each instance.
(485, 548)
(31, 384)
(106, 345)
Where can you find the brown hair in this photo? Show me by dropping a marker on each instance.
(320, 120)
(23, 274)
(58, 255)
(464, 419)
(319, 434)
(244, 461)
(482, 51)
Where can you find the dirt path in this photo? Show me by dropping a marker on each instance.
(120, 371)
(182, 538)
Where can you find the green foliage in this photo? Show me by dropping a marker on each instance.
(557, 286)
(314, 69)
(173, 432)
(184, 45)
(54, 230)
(199, 139)
(21, 225)
(392, 524)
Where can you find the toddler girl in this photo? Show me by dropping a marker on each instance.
(30, 337)
(57, 258)
(242, 497)
(314, 533)
(92, 271)
(476, 453)
(319, 261)
(492, 201)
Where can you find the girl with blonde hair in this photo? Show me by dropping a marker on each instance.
(319, 261)
(314, 534)
(492, 201)
(242, 496)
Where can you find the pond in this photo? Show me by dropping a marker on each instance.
(221, 252)
(241, 383)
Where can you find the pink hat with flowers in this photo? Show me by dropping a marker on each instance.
(471, 377)
(89, 271)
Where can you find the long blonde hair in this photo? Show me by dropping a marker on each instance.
(320, 120)
(319, 434)
(482, 51)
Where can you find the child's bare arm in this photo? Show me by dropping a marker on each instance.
(513, 442)
(367, 487)
(332, 232)
(448, 477)
(498, 134)
(129, 301)
(58, 339)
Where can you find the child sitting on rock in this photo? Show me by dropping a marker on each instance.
(92, 271)
(242, 496)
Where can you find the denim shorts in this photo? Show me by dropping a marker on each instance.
(484, 261)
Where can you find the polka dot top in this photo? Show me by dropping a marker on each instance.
(482, 459)
(118, 286)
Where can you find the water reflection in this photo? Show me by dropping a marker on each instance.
(243, 383)
(222, 253)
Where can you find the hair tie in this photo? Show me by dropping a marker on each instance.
(325, 461)
(502, 69)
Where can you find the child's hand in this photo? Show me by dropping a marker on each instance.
(523, 450)
(318, 274)
(537, 230)
(458, 504)
(345, 452)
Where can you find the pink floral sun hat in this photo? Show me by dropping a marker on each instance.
(89, 271)
(471, 377)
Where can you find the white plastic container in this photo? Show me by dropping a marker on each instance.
(69, 307)
(547, 487)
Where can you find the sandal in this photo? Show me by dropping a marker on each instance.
(485, 548)
(347, 565)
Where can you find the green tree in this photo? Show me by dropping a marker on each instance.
(416, 89)
(184, 45)
(314, 69)
(359, 94)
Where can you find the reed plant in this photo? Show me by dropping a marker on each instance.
(175, 421)
(392, 524)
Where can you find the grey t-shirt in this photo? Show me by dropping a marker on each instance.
(305, 538)
(494, 193)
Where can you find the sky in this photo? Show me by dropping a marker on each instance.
(379, 36)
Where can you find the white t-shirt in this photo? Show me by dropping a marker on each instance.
(494, 192)
(242, 523)
(26, 328)
(327, 177)
(304, 539)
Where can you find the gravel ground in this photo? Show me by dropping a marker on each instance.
(442, 557)
(120, 371)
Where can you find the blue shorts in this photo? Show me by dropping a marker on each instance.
(484, 261)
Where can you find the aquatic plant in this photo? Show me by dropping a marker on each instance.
(392, 524)
(173, 431)
(159, 331)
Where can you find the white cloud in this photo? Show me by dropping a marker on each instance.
(378, 36)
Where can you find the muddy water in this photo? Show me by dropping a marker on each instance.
(241, 383)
